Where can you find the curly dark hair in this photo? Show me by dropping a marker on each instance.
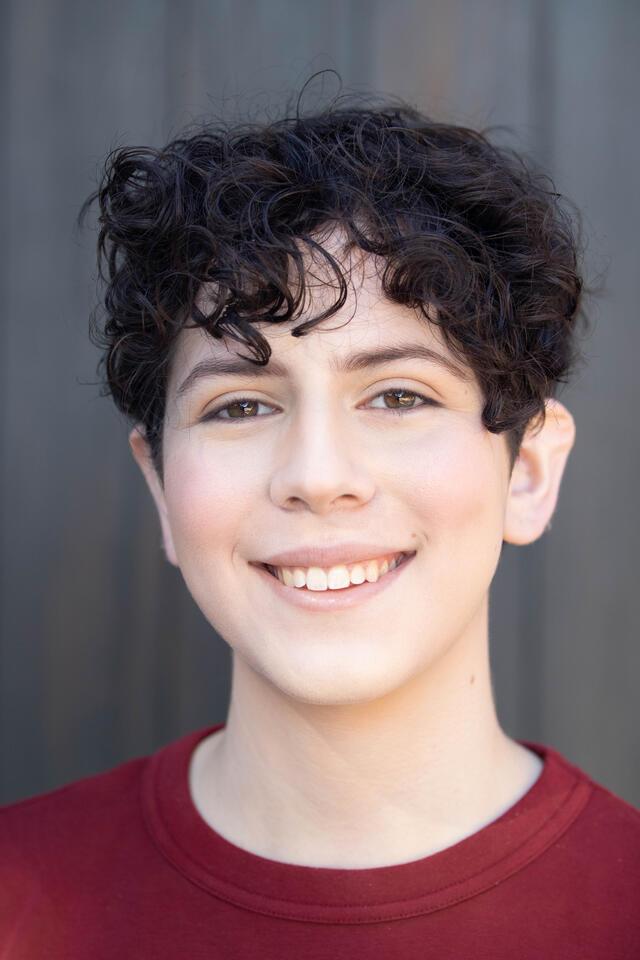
(462, 225)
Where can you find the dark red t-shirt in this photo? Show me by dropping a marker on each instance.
(121, 865)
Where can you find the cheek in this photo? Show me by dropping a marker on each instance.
(207, 501)
(454, 495)
(453, 487)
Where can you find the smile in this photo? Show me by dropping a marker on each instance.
(333, 599)
(338, 577)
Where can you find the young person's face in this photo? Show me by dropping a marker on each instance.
(322, 459)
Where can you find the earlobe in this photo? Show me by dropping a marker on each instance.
(142, 455)
(535, 482)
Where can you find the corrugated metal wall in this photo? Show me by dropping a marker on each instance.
(103, 654)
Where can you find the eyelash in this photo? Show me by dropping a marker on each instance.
(214, 414)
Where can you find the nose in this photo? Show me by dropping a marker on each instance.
(321, 466)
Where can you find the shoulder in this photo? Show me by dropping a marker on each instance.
(79, 816)
(89, 820)
(603, 842)
(613, 820)
(62, 851)
(604, 805)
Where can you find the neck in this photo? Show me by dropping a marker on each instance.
(418, 769)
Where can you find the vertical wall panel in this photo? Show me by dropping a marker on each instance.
(592, 607)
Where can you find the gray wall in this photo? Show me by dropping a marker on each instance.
(103, 654)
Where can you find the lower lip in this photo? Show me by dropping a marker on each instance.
(332, 599)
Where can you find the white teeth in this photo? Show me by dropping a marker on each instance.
(371, 571)
(317, 578)
(338, 577)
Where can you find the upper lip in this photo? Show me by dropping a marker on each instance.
(344, 553)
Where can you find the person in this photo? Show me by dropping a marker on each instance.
(388, 304)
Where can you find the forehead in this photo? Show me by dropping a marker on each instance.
(367, 323)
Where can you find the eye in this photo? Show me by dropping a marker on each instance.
(242, 408)
(404, 399)
(245, 408)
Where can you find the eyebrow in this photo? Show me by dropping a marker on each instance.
(362, 360)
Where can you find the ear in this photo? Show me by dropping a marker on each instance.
(535, 482)
(142, 455)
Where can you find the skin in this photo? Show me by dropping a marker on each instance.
(377, 721)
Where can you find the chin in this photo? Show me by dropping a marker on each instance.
(334, 681)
